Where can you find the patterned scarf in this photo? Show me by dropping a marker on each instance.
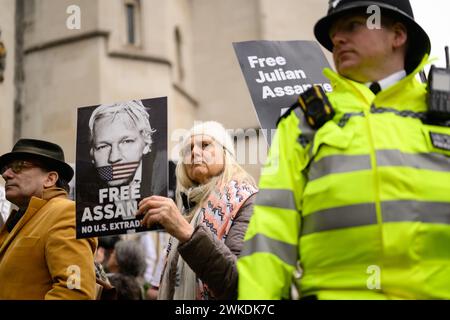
(217, 214)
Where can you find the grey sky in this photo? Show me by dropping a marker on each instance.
(434, 17)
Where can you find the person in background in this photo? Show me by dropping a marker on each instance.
(40, 257)
(127, 266)
(162, 239)
(154, 244)
(105, 248)
(214, 203)
(104, 288)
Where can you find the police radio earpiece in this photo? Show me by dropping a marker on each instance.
(315, 105)
(439, 94)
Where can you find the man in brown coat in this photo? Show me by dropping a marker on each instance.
(40, 257)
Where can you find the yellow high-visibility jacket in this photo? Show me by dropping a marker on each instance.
(361, 205)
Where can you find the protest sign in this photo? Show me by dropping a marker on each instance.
(277, 72)
(121, 158)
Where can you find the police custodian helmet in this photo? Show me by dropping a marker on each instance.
(418, 40)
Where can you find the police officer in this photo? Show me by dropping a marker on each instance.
(359, 208)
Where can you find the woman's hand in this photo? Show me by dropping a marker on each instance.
(163, 210)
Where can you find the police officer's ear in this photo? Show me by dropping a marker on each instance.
(400, 35)
(51, 179)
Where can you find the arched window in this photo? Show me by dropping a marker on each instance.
(132, 21)
(131, 18)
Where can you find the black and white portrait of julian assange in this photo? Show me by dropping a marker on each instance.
(121, 145)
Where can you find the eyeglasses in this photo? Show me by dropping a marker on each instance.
(17, 166)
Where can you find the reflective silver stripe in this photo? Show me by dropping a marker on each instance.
(365, 214)
(385, 158)
(339, 217)
(431, 212)
(400, 113)
(347, 116)
(430, 161)
(278, 198)
(288, 253)
(338, 164)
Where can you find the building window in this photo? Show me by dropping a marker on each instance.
(179, 54)
(131, 24)
(132, 18)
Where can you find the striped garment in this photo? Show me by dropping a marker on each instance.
(117, 171)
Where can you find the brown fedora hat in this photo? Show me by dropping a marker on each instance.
(50, 153)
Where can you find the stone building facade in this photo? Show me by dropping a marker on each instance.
(63, 54)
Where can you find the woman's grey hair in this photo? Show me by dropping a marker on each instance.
(134, 109)
(130, 257)
(198, 193)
